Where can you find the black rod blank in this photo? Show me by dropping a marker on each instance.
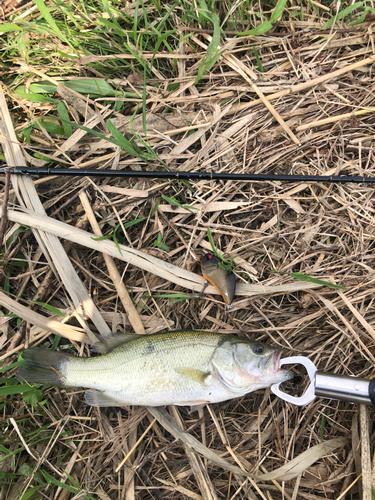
(77, 172)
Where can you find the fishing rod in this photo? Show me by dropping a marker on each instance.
(77, 172)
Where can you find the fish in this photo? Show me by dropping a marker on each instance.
(222, 279)
(183, 368)
(170, 368)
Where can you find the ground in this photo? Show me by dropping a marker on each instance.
(271, 88)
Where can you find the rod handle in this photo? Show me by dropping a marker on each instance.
(345, 388)
(371, 391)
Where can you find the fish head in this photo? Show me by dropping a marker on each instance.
(244, 366)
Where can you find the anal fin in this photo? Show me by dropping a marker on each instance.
(197, 407)
(99, 398)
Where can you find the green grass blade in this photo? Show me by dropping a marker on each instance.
(121, 141)
(212, 53)
(30, 491)
(15, 389)
(129, 147)
(50, 308)
(260, 30)
(160, 26)
(43, 88)
(173, 201)
(51, 480)
(155, 207)
(225, 264)
(47, 16)
(63, 113)
(310, 279)
(363, 16)
(6, 28)
(50, 126)
(100, 238)
(133, 222)
(278, 10)
(13, 365)
(161, 38)
(92, 87)
(33, 96)
(117, 243)
(55, 342)
(342, 14)
(210, 239)
(259, 62)
(162, 246)
(144, 107)
(158, 243)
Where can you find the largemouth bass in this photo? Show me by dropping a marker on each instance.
(222, 279)
(170, 368)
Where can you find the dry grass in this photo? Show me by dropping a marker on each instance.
(310, 112)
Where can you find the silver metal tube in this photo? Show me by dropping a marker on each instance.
(342, 387)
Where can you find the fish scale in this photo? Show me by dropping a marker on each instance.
(181, 368)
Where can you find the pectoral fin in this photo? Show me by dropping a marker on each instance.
(194, 374)
(99, 398)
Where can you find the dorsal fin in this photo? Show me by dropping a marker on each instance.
(107, 344)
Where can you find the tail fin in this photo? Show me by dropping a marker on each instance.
(43, 366)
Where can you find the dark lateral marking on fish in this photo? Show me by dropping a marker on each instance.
(149, 348)
(221, 342)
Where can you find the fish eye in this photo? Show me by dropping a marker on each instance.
(258, 349)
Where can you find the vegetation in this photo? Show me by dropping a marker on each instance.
(271, 87)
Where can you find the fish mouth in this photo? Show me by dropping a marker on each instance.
(271, 367)
(272, 363)
(281, 372)
(277, 358)
(276, 361)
